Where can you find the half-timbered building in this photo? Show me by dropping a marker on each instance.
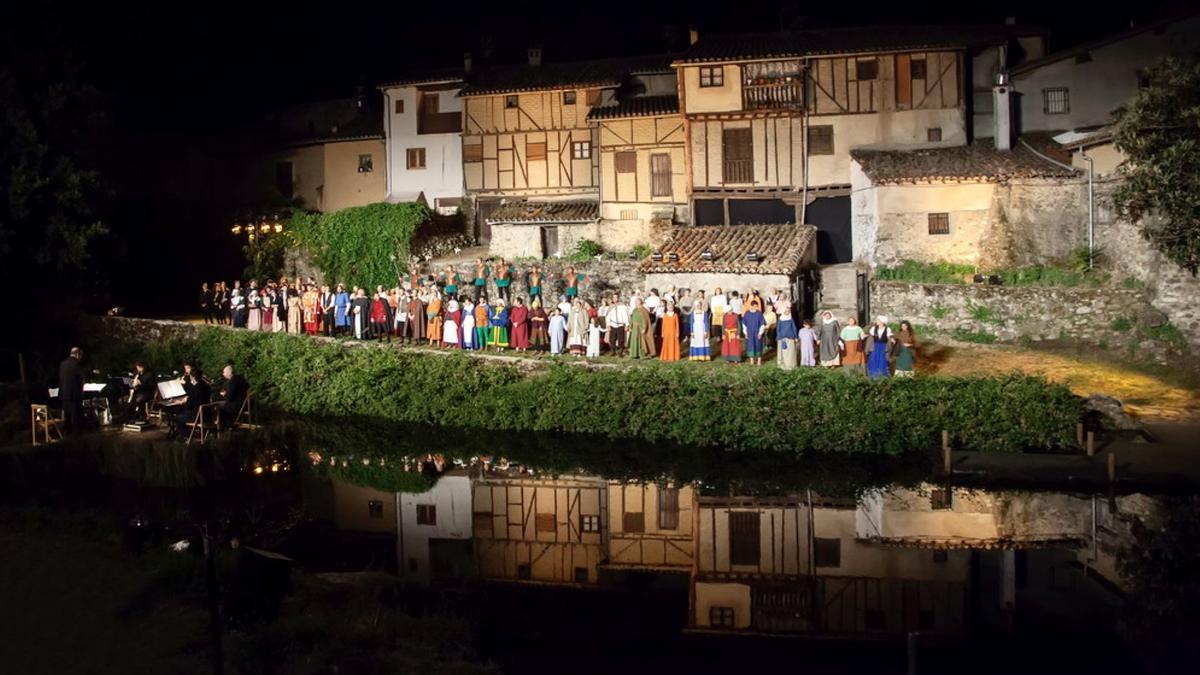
(548, 530)
(650, 526)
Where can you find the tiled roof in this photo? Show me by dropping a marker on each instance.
(781, 248)
(1102, 135)
(521, 211)
(641, 106)
(843, 41)
(451, 74)
(575, 74)
(977, 163)
(1103, 42)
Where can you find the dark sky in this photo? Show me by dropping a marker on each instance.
(193, 65)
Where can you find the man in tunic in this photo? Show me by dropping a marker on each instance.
(329, 308)
(854, 361)
(786, 341)
(520, 326)
(641, 331)
(415, 330)
(616, 322)
(312, 309)
(577, 328)
(828, 338)
(450, 280)
(498, 326)
(534, 280)
(433, 317)
(504, 274)
(538, 320)
(482, 316)
(380, 326)
(361, 308)
(571, 280)
(754, 326)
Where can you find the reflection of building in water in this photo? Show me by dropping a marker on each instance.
(435, 530)
(775, 565)
(363, 509)
(539, 529)
(650, 526)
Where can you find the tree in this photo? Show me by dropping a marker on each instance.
(48, 198)
(1159, 133)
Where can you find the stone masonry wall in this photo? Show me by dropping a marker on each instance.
(601, 275)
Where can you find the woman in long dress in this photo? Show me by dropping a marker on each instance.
(450, 323)
(698, 344)
(498, 326)
(906, 350)
(468, 325)
(294, 311)
(731, 344)
(577, 328)
(808, 345)
(538, 337)
(341, 303)
(254, 303)
(312, 310)
(754, 326)
(520, 326)
(855, 359)
(881, 345)
(787, 351)
(558, 331)
(829, 335)
(670, 333)
(433, 316)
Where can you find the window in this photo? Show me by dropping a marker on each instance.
(933, 134)
(737, 156)
(720, 617)
(431, 103)
(626, 162)
(581, 149)
(416, 158)
(660, 175)
(366, 163)
(633, 521)
(589, 523)
(581, 575)
(743, 538)
(827, 552)
(1056, 101)
(510, 101)
(426, 514)
(535, 151)
(374, 509)
(524, 572)
(820, 139)
(544, 522)
(939, 499)
(568, 98)
(712, 76)
(668, 508)
(629, 214)
(399, 106)
(473, 152)
(284, 180)
(939, 223)
(867, 69)
(593, 97)
(917, 69)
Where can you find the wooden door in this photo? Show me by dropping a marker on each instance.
(550, 242)
(484, 209)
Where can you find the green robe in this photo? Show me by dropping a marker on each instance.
(641, 334)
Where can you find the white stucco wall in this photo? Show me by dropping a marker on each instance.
(442, 176)
(452, 497)
(1099, 86)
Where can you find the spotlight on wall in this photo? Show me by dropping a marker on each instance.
(707, 255)
(752, 256)
(979, 279)
(236, 229)
(672, 257)
(657, 256)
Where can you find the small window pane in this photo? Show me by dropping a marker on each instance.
(399, 106)
(633, 521)
(510, 101)
(918, 69)
(581, 149)
(827, 552)
(668, 508)
(589, 523)
(426, 514)
(867, 69)
(366, 163)
(416, 158)
(1056, 101)
(934, 134)
(720, 617)
(568, 98)
(712, 76)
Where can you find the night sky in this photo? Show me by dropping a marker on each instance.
(174, 75)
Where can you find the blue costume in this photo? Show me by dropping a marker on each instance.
(877, 360)
(752, 323)
(341, 303)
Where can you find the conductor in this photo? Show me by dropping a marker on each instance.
(70, 390)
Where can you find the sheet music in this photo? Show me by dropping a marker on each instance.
(94, 387)
(171, 389)
(53, 392)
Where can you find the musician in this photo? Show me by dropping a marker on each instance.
(141, 390)
(233, 394)
(199, 392)
(70, 390)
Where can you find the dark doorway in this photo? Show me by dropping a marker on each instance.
(483, 210)
(831, 215)
(710, 212)
(760, 212)
(550, 242)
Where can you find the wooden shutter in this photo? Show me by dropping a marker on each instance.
(593, 97)
(903, 80)
(626, 162)
(744, 548)
(399, 106)
(633, 521)
(535, 150)
(737, 156)
(426, 514)
(430, 103)
(820, 139)
(660, 175)
(668, 508)
(939, 223)
(473, 152)
(827, 552)
(545, 522)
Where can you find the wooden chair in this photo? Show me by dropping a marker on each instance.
(48, 422)
(206, 423)
(245, 414)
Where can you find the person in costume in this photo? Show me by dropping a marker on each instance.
(558, 331)
(539, 338)
(669, 326)
(906, 350)
(787, 343)
(504, 275)
(717, 305)
(451, 321)
(380, 326)
(360, 307)
(498, 326)
(731, 344)
(754, 327)
(571, 281)
(854, 360)
(519, 316)
(268, 308)
(698, 348)
(534, 280)
(311, 301)
(433, 318)
(482, 317)
(829, 337)
(641, 331)
(577, 328)
(416, 318)
(617, 321)
(400, 324)
(450, 280)
(328, 311)
(878, 364)
(468, 325)
(254, 310)
(295, 314)
(482, 272)
(593, 337)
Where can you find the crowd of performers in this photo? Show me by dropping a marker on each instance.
(444, 311)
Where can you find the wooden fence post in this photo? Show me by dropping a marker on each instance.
(1112, 466)
(947, 454)
(1079, 433)
(1091, 444)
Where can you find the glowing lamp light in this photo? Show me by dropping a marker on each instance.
(236, 229)
(252, 236)
(258, 470)
(278, 228)
(264, 228)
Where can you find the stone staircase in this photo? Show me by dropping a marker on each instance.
(839, 290)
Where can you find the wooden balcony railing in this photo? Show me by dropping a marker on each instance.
(778, 95)
(439, 123)
(738, 170)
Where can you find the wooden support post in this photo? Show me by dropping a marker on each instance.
(947, 454)
(1112, 466)
(1079, 433)
(1091, 443)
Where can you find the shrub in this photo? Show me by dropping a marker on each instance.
(926, 273)
(738, 409)
(1167, 333)
(1121, 324)
(1132, 283)
(964, 335)
(586, 249)
(363, 245)
(983, 314)
(939, 311)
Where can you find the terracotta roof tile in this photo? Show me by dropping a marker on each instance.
(566, 75)
(976, 163)
(641, 106)
(781, 249)
(522, 211)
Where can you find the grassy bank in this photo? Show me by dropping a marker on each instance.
(736, 408)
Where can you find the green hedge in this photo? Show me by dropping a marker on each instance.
(737, 408)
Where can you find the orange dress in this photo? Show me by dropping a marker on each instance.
(670, 338)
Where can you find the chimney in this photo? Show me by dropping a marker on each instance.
(693, 35)
(535, 56)
(467, 63)
(1002, 112)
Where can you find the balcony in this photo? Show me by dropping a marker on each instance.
(737, 170)
(782, 94)
(439, 123)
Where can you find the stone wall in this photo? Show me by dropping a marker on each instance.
(1011, 314)
(129, 329)
(601, 275)
(525, 241)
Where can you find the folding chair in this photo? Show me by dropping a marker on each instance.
(49, 422)
(205, 423)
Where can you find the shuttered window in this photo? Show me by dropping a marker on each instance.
(820, 139)
(545, 522)
(626, 162)
(933, 134)
(593, 97)
(660, 175)
(743, 538)
(399, 106)
(473, 152)
(918, 69)
(866, 69)
(535, 151)
(827, 552)
(633, 521)
(416, 158)
(737, 156)
(939, 223)
(668, 508)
